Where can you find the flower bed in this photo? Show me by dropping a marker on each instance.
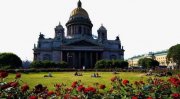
(121, 89)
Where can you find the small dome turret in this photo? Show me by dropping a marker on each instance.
(59, 31)
(102, 33)
(59, 26)
(102, 28)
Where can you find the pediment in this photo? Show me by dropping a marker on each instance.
(82, 43)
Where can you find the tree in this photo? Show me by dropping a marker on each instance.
(101, 64)
(141, 62)
(10, 60)
(111, 64)
(124, 64)
(48, 64)
(62, 64)
(148, 63)
(36, 64)
(174, 54)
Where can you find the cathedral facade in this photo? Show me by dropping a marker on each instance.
(79, 47)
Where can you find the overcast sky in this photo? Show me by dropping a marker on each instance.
(143, 25)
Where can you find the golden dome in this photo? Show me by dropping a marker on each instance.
(79, 12)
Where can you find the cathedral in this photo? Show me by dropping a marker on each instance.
(79, 47)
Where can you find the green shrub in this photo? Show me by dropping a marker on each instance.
(101, 64)
(111, 64)
(10, 60)
(62, 64)
(148, 63)
(48, 64)
(36, 64)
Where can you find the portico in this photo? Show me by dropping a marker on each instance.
(79, 57)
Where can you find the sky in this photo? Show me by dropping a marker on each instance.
(142, 25)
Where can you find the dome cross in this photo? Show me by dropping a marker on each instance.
(79, 4)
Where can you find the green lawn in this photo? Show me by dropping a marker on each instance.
(67, 78)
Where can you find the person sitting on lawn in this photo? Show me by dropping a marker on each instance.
(97, 75)
(93, 75)
(76, 74)
(49, 75)
(149, 73)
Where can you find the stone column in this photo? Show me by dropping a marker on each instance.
(79, 60)
(96, 56)
(61, 59)
(74, 61)
(85, 59)
(91, 60)
(71, 30)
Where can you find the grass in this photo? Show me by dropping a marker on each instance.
(67, 78)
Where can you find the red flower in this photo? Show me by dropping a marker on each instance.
(134, 97)
(174, 81)
(125, 82)
(136, 83)
(90, 89)
(5, 86)
(50, 93)
(57, 85)
(113, 79)
(149, 98)
(3, 74)
(33, 97)
(176, 96)
(74, 84)
(102, 86)
(80, 88)
(141, 82)
(14, 84)
(67, 96)
(24, 88)
(18, 75)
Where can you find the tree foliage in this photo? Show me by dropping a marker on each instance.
(62, 64)
(10, 60)
(48, 64)
(102, 64)
(111, 64)
(174, 54)
(148, 63)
